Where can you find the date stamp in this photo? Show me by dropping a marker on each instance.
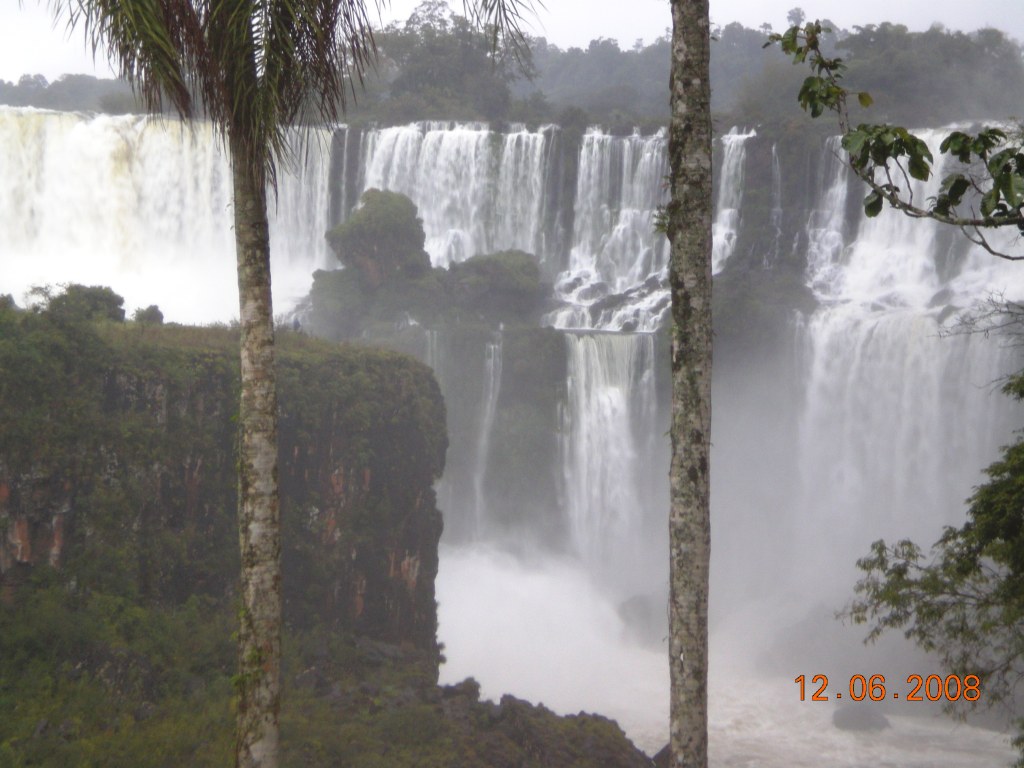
(873, 688)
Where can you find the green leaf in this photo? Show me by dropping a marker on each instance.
(955, 185)
(872, 204)
(919, 168)
(989, 201)
(853, 142)
(1011, 185)
(1000, 159)
(957, 144)
(865, 99)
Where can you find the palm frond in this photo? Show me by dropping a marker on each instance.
(506, 20)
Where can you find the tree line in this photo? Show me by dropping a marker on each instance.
(440, 65)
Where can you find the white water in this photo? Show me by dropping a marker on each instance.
(615, 251)
(611, 416)
(477, 191)
(143, 204)
(771, 255)
(726, 224)
(891, 424)
(488, 407)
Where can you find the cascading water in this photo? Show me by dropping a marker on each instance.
(472, 199)
(897, 422)
(144, 203)
(489, 404)
(617, 263)
(725, 227)
(894, 423)
(611, 412)
(771, 255)
(887, 423)
(826, 224)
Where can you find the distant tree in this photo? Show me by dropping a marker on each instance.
(382, 239)
(81, 302)
(984, 192)
(604, 78)
(151, 315)
(447, 68)
(505, 282)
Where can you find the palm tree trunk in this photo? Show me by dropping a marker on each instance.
(689, 231)
(259, 642)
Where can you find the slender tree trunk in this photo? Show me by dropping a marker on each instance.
(689, 232)
(259, 641)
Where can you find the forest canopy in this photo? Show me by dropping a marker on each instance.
(437, 65)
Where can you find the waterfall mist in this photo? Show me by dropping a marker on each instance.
(854, 419)
(145, 203)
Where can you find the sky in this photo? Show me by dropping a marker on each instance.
(30, 43)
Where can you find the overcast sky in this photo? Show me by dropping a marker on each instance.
(29, 42)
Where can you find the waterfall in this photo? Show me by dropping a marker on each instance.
(771, 255)
(726, 224)
(611, 413)
(897, 420)
(870, 424)
(827, 222)
(617, 263)
(144, 204)
(477, 191)
(488, 406)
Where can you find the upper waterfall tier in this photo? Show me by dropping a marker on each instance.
(618, 265)
(477, 191)
(143, 204)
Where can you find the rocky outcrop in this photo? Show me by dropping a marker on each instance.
(119, 559)
(151, 457)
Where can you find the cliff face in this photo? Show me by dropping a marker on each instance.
(119, 559)
(142, 481)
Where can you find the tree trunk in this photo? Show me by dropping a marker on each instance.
(259, 639)
(688, 224)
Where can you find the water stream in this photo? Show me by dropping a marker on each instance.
(877, 426)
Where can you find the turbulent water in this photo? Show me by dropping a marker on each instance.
(873, 425)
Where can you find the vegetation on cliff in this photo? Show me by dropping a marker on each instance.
(118, 560)
(388, 281)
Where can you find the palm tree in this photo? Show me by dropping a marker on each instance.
(252, 67)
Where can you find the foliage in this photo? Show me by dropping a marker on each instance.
(122, 655)
(887, 158)
(71, 93)
(616, 86)
(499, 283)
(80, 302)
(966, 601)
(446, 68)
(382, 239)
(151, 315)
(388, 280)
(907, 71)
